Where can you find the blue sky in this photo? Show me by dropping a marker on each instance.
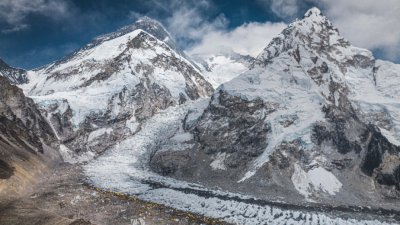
(36, 32)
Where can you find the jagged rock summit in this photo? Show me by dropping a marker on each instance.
(314, 119)
(105, 90)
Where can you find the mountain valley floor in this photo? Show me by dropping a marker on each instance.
(62, 197)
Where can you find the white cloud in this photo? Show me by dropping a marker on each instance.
(189, 23)
(285, 9)
(248, 39)
(191, 26)
(13, 12)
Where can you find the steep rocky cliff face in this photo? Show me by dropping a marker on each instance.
(27, 142)
(13, 75)
(104, 91)
(314, 118)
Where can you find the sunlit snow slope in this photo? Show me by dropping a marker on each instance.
(222, 67)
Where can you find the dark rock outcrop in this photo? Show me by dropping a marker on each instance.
(239, 121)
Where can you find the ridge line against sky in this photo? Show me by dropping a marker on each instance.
(36, 32)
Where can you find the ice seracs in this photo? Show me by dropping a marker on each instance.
(124, 169)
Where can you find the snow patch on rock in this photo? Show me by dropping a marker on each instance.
(98, 133)
(316, 179)
(218, 163)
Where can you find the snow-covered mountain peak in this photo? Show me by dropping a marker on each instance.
(113, 84)
(314, 21)
(311, 106)
(314, 34)
(148, 24)
(86, 64)
(156, 29)
(313, 12)
(145, 23)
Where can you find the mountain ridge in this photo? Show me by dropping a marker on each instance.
(144, 23)
(112, 87)
(306, 122)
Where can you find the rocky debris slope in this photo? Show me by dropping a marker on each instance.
(314, 119)
(63, 197)
(222, 67)
(27, 142)
(13, 75)
(104, 91)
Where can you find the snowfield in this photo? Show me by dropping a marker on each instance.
(221, 68)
